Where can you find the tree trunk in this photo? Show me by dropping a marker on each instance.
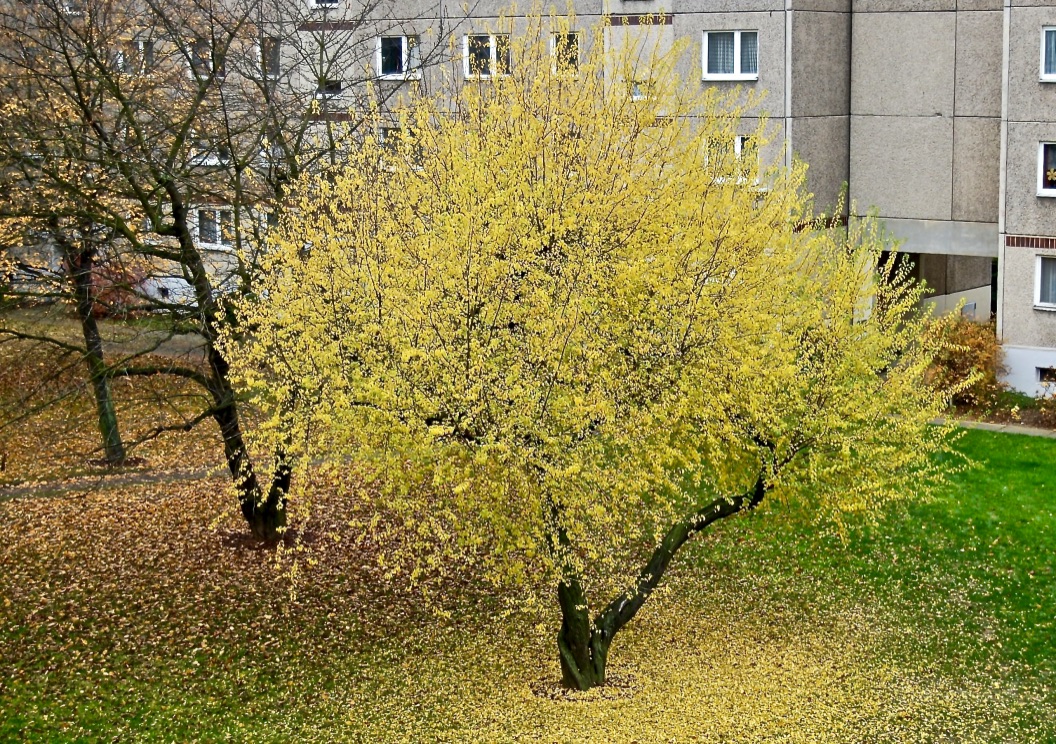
(80, 264)
(582, 648)
(264, 513)
(583, 645)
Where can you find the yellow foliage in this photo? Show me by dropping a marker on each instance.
(554, 306)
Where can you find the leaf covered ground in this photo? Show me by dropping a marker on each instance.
(142, 613)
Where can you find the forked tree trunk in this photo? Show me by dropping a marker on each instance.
(583, 644)
(81, 263)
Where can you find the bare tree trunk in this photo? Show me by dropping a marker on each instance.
(80, 264)
(265, 513)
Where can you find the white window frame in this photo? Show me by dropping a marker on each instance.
(1050, 77)
(737, 74)
(218, 220)
(493, 48)
(1042, 191)
(1038, 304)
(321, 94)
(412, 64)
(208, 66)
(553, 52)
(204, 155)
(132, 58)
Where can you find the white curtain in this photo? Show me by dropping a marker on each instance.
(720, 53)
(749, 53)
(1048, 281)
(1050, 51)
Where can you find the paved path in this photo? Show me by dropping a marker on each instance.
(1030, 431)
(102, 480)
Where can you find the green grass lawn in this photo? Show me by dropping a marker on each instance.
(140, 616)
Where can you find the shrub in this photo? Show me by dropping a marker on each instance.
(970, 362)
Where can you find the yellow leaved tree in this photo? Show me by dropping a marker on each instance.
(571, 328)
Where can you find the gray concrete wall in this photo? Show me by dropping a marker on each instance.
(1026, 213)
(820, 94)
(925, 121)
(1022, 324)
(1031, 120)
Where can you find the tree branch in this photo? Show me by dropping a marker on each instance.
(150, 371)
(620, 611)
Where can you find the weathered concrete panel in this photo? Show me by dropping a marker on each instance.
(968, 272)
(903, 64)
(945, 236)
(1021, 324)
(979, 5)
(821, 63)
(713, 6)
(823, 144)
(976, 169)
(900, 6)
(828, 6)
(1026, 213)
(902, 166)
(1029, 99)
(978, 69)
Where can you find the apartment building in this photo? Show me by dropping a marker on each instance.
(937, 115)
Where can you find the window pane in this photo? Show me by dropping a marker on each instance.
(720, 53)
(1050, 52)
(749, 53)
(387, 137)
(566, 52)
(270, 50)
(206, 226)
(1048, 166)
(201, 57)
(227, 227)
(503, 55)
(392, 55)
(479, 55)
(1048, 281)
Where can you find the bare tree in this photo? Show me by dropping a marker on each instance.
(173, 129)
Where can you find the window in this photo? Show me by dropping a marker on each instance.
(1048, 54)
(215, 226)
(387, 137)
(270, 56)
(328, 89)
(203, 62)
(1047, 375)
(1047, 169)
(323, 3)
(1045, 283)
(640, 90)
(565, 50)
(485, 55)
(731, 55)
(397, 57)
(203, 154)
(135, 57)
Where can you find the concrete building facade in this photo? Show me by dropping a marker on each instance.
(939, 116)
